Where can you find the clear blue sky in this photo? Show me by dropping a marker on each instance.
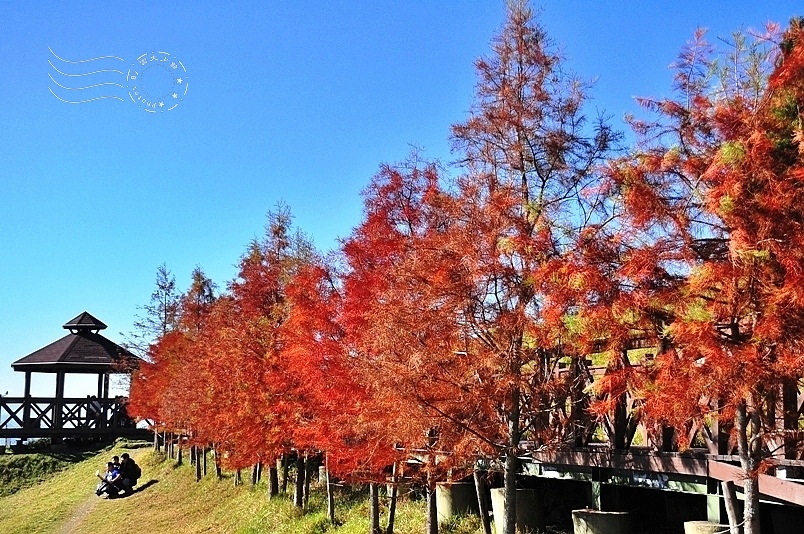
(288, 101)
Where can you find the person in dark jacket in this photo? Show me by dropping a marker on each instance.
(127, 477)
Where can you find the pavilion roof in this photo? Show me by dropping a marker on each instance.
(81, 351)
(84, 321)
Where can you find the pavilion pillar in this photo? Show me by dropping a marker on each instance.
(58, 404)
(104, 420)
(26, 402)
(58, 401)
(100, 385)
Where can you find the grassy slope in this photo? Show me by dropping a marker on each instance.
(19, 471)
(172, 501)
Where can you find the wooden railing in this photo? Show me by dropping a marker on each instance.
(45, 416)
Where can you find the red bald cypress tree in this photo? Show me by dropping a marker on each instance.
(453, 285)
(713, 197)
(531, 162)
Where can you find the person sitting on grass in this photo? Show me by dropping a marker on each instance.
(109, 478)
(110, 474)
(128, 474)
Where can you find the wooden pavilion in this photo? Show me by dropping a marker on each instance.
(82, 351)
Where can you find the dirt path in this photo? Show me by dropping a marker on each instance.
(79, 515)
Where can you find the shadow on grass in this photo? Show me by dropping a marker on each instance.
(138, 489)
(145, 486)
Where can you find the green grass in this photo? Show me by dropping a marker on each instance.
(170, 501)
(18, 471)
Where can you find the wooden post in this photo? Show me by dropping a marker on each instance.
(58, 403)
(26, 409)
(100, 385)
(790, 423)
(719, 431)
(104, 418)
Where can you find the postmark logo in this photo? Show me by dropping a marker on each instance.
(156, 82)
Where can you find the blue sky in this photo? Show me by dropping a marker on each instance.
(294, 102)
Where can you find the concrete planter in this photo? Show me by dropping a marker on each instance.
(529, 511)
(456, 498)
(597, 522)
(704, 527)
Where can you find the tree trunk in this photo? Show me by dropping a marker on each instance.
(374, 509)
(308, 475)
(285, 468)
(254, 475)
(156, 440)
(392, 502)
(192, 454)
(619, 419)
(218, 472)
(330, 500)
(273, 481)
(432, 511)
(730, 498)
(298, 495)
(179, 453)
(238, 479)
(482, 501)
(205, 451)
(511, 465)
(197, 465)
(749, 452)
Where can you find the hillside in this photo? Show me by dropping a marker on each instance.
(169, 500)
(19, 471)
